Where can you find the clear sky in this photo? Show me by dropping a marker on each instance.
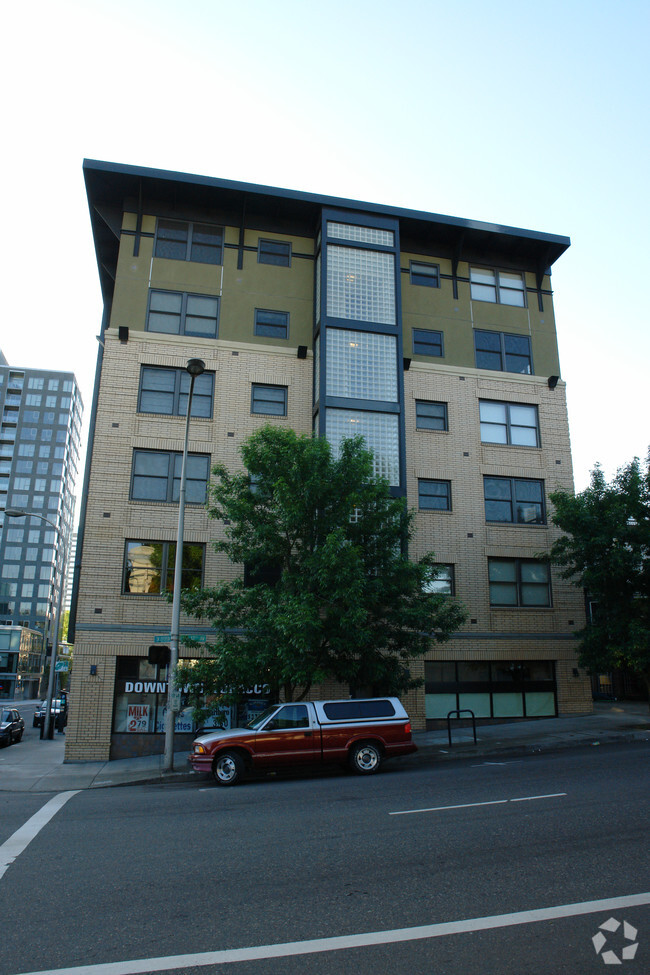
(513, 112)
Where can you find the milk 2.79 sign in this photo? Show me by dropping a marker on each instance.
(137, 718)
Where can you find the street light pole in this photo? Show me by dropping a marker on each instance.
(195, 367)
(20, 513)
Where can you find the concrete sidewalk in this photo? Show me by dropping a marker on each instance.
(36, 765)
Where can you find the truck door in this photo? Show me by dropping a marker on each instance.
(289, 737)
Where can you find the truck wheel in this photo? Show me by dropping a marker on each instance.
(365, 759)
(228, 768)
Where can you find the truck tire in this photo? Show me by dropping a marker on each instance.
(228, 768)
(365, 758)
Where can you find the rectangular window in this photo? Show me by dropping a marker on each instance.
(502, 287)
(149, 567)
(271, 400)
(434, 495)
(444, 580)
(380, 432)
(426, 342)
(430, 415)
(164, 390)
(179, 313)
(198, 242)
(519, 582)
(509, 423)
(157, 476)
(276, 252)
(360, 284)
(503, 352)
(361, 365)
(272, 324)
(427, 275)
(514, 500)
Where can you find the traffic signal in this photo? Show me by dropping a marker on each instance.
(159, 655)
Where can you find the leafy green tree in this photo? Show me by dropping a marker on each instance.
(606, 551)
(328, 590)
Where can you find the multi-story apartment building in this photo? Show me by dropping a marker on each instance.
(40, 436)
(433, 337)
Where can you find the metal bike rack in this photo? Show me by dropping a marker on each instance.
(458, 714)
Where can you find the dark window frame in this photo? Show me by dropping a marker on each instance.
(505, 354)
(509, 425)
(274, 330)
(183, 314)
(193, 228)
(271, 252)
(519, 583)
(167, 565)
(424, 278)
(447, 494)
(498, 287)
(181, 377)
(422, 345)
(420, 415)
(452, 579)
(257, 401)
(174, 459)
(513, 500)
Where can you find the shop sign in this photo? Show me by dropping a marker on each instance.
(137, 718)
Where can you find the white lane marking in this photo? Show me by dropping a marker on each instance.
(470, 805)
(371, 938)
(462, 805)
(18, 842)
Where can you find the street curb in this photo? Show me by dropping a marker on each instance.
(426, 754)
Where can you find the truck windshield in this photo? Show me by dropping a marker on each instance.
(259, 719)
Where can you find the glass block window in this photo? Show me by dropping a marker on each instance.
(509, 423)
(361, 285)
(316, 368)
(361, 365)
(380, 432)
(318, 267)
(365, 235)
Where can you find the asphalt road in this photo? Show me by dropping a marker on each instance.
(166, 871)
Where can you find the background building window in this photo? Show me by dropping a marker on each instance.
(425, 274)
(149, 567)
(503, 352)
(434, 495)
(198, 242)
(427, 342)
(514, 500)
(270, 400)
(157, 476)
(504, 287)
(430, 415)
(179, 313)
(519, 582)
(165, 391)
(509, 423)
(273, 324)
(276, 252)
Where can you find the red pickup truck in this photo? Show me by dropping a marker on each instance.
(361, 733)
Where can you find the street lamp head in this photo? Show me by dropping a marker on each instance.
(195, 367)
(15, 513)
